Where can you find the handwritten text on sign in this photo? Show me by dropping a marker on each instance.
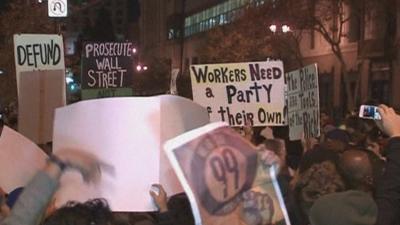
(303, 103)
(107, 65)
(38, 52)
(240, 93)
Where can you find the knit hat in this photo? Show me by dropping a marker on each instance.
(344, 208)
(13, 196)
(339, 135)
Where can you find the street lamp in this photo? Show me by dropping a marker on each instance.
(141, 68)
(272, 28)
(284, 28)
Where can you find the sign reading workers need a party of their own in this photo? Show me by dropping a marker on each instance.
(303, 103)
(241, 93)
(107, 69)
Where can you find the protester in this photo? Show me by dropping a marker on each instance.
(356, 205)
(317, 176)
(388, 186)
(173, 211)
(32, 203)
(285, 175)
(89, 213)
(336, 140)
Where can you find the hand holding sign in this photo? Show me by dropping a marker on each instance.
(224, 178)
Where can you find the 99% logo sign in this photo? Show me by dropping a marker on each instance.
(57, 8)
(222, 175)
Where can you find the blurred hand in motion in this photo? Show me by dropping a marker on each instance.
(159, 196)
(88, 165)
(266, 160)
(390, 121)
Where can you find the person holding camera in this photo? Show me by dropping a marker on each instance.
(388, 186)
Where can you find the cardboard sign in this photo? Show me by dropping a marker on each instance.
(303, 103)
(224, 178)
(240, 92)
(127, 133)
(107, 69)
(40, 71)
(20, 159)
(172, 87)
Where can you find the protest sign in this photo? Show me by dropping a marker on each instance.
(224, 178)
(303, 103)
(40, 71)
(107, 69)
(241, 92)
(173, 90)
(128, 134)
(20, 159)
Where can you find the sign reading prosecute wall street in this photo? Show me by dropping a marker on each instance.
(303, 103)
(107, 69)
(241, 93)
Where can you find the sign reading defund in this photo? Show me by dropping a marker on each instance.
(240, 93)
(40, 72)
(303, 103)
(107, 69)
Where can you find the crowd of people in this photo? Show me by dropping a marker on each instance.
(350, 175)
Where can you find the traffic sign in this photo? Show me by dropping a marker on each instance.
(57, 8)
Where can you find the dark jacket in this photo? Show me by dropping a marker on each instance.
(388, 186)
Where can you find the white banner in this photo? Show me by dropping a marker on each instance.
(127, 133)
(303, 103)
(240, 92)
(20, 159)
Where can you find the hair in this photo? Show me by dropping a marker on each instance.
(276, 145)
(357, 174)
(92, 212)
(320, 179)
(179, 207)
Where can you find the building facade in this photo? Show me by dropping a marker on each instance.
(175, 29)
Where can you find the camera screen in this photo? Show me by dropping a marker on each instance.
(370, 112)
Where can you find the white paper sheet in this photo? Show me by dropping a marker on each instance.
(20, 159)
(127, 133)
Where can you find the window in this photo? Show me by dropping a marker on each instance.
(380, 85)
(354, 26)
(174, 26)
(220, 14)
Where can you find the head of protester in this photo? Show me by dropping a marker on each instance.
(38, 193)
(355, 205)
(91, 212)
(336, 140)
(356, 170)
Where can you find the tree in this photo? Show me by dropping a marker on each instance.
(154, 80)
(329, 18)
(18, 18)
(248, 38)
(103, 29)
